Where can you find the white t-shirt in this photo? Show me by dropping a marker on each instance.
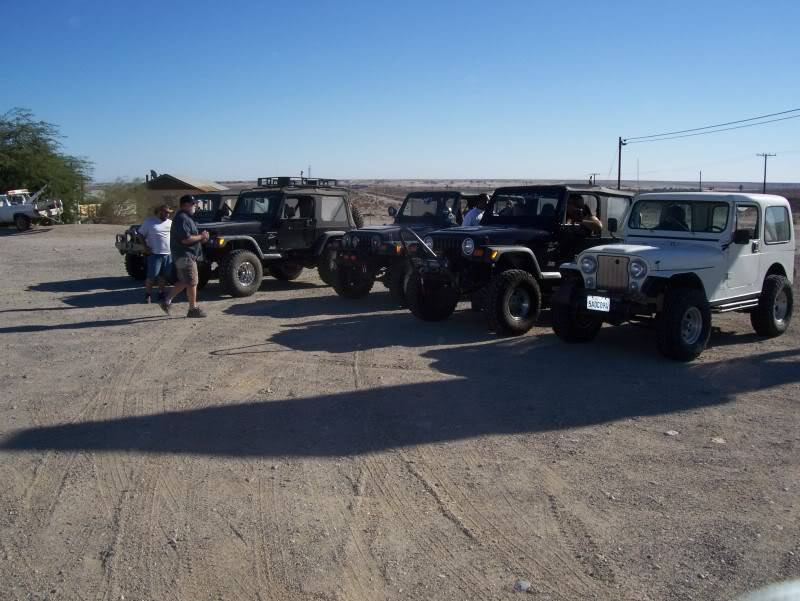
(156, 233)
(473, 217)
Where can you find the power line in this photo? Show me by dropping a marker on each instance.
(683, 131)
(703, 133)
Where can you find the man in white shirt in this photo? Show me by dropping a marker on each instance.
(473, 216)
(155, 231)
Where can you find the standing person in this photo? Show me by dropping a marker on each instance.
(156, 230)
(185, 244)
(473, 216)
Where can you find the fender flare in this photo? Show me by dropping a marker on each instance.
(250, 245)
(324, 238)
(524, 251)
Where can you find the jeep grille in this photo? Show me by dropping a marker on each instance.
(446, 244)
(612, 272)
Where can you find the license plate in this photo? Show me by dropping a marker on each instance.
(598, 303)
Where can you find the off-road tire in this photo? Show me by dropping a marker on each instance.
(430, 303)
(571, 324)
(684, 324)
(396, 281)
(204, 273)
(478, 300)
(351, 282)
(285, 271)
(499, 306)
(230, 274)
(765, 317)
(358, 217)
(327, 266)
(22, 222)
(136, 267)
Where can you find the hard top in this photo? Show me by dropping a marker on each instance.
(761, 199)
(577, 188)
(296, 183)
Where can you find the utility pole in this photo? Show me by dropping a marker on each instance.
(765, 155)
(701, 181)
(593, 179)
(620, 144)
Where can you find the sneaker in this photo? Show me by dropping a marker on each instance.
(164, 306)
(196, 312)
(147, 298)
(161, 296)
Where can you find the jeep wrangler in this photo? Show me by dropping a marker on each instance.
(281, 226)
(377, 253)
(509, 264)
(212, 206)
(682, 257)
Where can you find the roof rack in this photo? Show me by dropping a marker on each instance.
(277, 182)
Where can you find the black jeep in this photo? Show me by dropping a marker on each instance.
(509, 264)
(376, 252)
(212, 206)
(282, 225)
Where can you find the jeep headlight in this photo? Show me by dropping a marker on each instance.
(375, 241)
(468, 246)
(588, 264)
(428, 240)
(637, 269)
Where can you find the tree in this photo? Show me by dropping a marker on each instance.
(31, 156)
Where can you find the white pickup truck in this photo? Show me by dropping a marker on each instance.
(23, 209)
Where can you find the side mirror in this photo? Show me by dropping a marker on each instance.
(392, 212)
(742, 236)
(612, 224)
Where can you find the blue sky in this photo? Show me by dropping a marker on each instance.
(227, 90)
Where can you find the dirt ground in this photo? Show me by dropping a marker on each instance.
(296, 445)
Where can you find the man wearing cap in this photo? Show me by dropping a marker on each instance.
(185, 244)
(156, 231)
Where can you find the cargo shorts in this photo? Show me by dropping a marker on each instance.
(186, 269)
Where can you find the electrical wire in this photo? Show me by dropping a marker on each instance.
(683, 131)
(704, 133)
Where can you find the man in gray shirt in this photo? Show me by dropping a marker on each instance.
(185, 244)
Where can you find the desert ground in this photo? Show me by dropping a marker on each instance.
(299, 446)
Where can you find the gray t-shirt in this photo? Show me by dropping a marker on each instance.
(183, 226)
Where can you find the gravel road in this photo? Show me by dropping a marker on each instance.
(296, 445)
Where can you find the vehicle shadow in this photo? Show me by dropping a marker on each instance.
(7, 231)
(312, 306)
(87, 284)
(506, 386)
(80, 325)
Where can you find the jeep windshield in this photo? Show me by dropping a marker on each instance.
(665, 215)
(523, 207)
(427, 208)
(257, 205)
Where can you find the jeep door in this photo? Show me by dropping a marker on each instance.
(254, 215)
(743, 259)
(298, 224)
(779, 241)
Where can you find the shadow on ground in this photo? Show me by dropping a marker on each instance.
(5, 231)
(506, 386)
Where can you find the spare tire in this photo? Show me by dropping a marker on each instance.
(358, 218)
(136, 266)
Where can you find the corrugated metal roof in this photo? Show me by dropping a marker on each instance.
(167, 179)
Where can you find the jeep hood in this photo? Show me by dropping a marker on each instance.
(497, 234)
(672, 255)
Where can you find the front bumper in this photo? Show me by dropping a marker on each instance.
(127, 244)
(622, 306)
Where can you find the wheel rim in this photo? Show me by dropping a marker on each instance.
(781, 307)
(519, 303)
(691, 325)
(246, 273)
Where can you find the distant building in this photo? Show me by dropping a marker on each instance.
(166, 188)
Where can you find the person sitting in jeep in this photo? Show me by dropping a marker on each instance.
(579, 213)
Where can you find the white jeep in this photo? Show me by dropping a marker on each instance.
(682, 257)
